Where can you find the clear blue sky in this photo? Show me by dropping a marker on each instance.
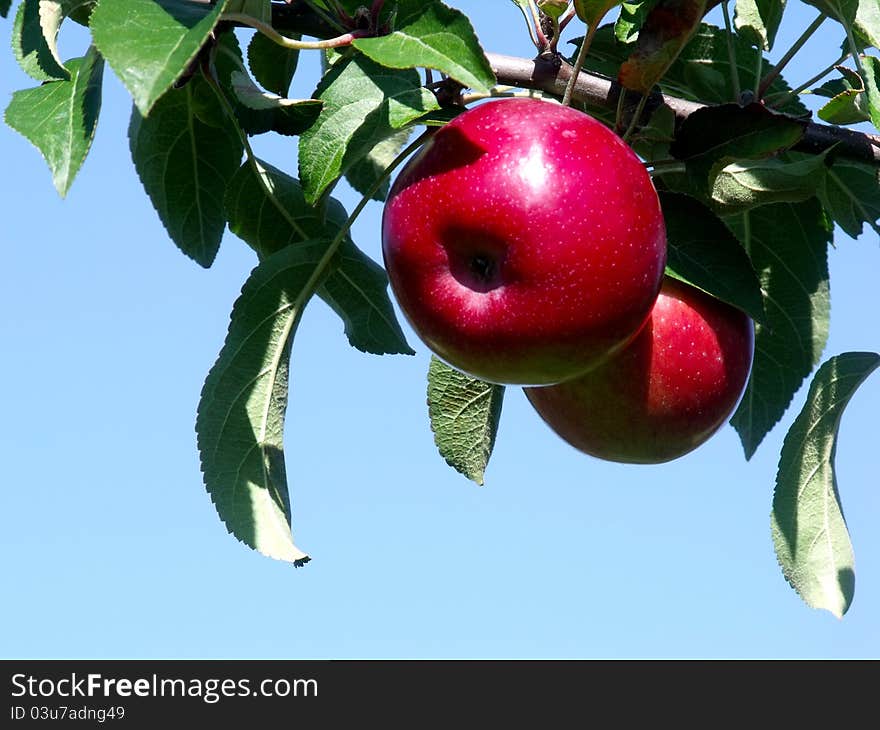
(110, 546)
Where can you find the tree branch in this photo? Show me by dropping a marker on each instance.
(595, 90)
(602, 92)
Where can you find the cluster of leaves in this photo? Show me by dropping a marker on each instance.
(749, 216)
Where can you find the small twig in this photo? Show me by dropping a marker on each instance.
(598, 91)
(783, 62)
(786, 96)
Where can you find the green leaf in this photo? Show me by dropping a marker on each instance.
(758, 21)
(592, 11)
(34, 42)
(850, 194)
(862, 16)
(849, 103)
(666, 30)
(185, 154)
(703, 252)
(272, 65)
(427, 33)
(240, 422)
(731, 131)
(151, 43)
(4, 7)
(259, 9)
(364, 103)
(356, 289)
(362, 176)
(741, 185)
(787, 243)
(464, 414)
(808, 527)
(60, 117)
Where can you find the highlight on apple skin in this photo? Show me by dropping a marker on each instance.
(524, 243)
(667, 392)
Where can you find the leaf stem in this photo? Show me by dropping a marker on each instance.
(273, 35)
(579, 63)
(324, 263)
(783, 62)
(786, 96)
(854, 49)
(214, 83)
(731, 53)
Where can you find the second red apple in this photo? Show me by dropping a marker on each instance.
(664, 394)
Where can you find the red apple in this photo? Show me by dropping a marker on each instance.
(524, 242)
(664, 394)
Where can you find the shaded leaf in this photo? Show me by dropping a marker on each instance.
(429, 34)
(787, 243)
(851, 195)
(60, 117)
(356, 289)
(364, 104)
(4, 7)
(240, 422)
(258, 111)
(703, 252)
(151, 43)
(809, 530)
(259, 9)
(272, 65)
(666, 30)
(185, 154)
(738, 186)
(758, 21)
(35, 51)
(464, 414)
(362, 176)
(731, 131)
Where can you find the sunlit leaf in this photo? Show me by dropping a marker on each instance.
(809, 530)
